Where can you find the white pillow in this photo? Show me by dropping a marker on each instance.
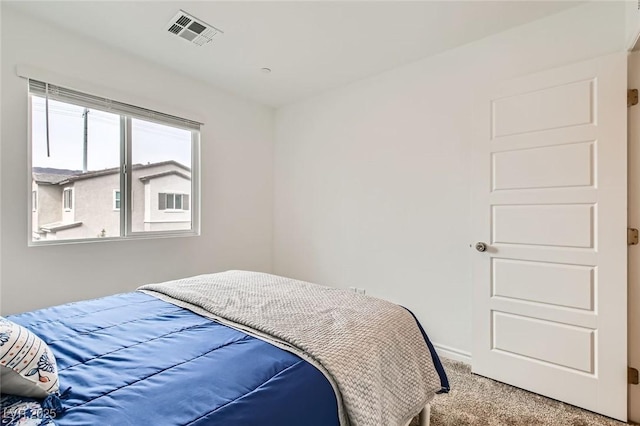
(27, 365)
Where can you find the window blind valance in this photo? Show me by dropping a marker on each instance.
(63, 94)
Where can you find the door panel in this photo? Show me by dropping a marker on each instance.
(549, 198)
(567, 225)
(522, 336)
(558, 284)
(572, 165)
(568, 104)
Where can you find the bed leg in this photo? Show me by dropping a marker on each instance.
(425, 415)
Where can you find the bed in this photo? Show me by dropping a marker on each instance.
(152, 357)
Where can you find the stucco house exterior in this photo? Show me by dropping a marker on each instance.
(71, 204)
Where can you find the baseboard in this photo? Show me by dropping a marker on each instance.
(453, 353)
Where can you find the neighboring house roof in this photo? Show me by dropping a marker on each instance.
(50, 178)
(64, 176)
(167, 173)
(59, 226)
(51, 175)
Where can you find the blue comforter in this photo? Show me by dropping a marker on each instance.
(132, 359)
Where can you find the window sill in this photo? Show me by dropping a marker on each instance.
(134, 236)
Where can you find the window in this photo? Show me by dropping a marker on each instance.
(34, 201)
(108, 164)
(168, 202)
(68, 199)
(116, 199)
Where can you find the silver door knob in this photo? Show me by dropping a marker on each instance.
(481, 247)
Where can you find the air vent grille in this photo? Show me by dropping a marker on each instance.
(192, 29)
(183, 20)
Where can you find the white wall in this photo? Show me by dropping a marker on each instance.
(372, 181)
(237, 147)
(632, 22)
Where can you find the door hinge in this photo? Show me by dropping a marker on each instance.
(632, 236)
(632, 97)
(633, 376)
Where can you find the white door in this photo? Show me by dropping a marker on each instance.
(634, 251)
(549, 202)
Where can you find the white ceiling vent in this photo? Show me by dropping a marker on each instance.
(191, 28)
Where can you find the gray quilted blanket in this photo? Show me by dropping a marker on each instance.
(372, 351)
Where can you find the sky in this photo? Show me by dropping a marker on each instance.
(151, 142)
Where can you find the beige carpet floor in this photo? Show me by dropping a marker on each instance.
(479, 401)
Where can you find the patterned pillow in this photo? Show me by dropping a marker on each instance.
(19, 411)
(27, 365)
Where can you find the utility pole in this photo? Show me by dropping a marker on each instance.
(85, 145)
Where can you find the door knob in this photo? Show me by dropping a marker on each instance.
(481, 247)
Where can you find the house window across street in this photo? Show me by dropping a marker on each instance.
(173, 201)
(108, 164)
(67, 196)
(116, 199)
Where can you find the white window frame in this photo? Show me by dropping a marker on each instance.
(68, 207)
(34, 200)
(126, 112)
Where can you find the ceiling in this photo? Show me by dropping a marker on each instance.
(310, 46)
